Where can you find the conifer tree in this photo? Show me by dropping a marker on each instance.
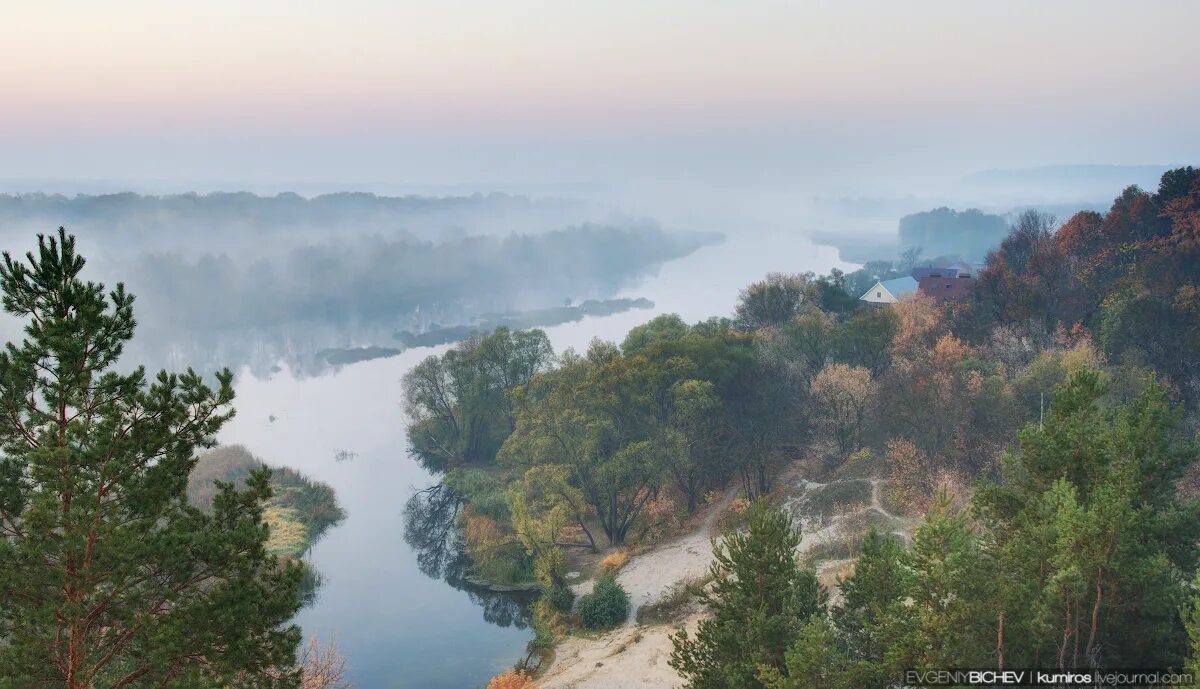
(1090, 534)
(760, 600)
(872, 608)
(108, 578)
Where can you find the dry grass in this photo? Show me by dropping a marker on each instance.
(673, 605)
(614, 561)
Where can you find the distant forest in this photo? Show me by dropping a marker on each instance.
(236, 278)
(376, 277)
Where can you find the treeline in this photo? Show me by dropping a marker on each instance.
(968, 234)
(1076, 548)
(399, 280)
(1129, 277)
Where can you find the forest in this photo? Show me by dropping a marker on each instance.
(1041, 434)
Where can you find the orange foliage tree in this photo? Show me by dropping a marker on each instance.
(513, 679)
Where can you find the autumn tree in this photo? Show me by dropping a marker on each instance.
(323, 666)
(840, 396)
(513, 679)
(108, 577)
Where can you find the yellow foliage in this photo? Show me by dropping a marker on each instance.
(949, 350)
(910, 469)
(1082, 357)
(483, 536)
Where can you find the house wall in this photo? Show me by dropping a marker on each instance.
(879, 295)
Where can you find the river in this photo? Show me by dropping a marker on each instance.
(398, 627)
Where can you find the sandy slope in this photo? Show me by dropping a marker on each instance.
(628, 658)
(647, 576)
(635, 657)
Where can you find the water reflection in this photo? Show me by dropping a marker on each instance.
(430, 518)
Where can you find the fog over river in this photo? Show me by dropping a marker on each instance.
(398, 627)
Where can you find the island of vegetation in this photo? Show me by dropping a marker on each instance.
(298, 513)
(438, 335)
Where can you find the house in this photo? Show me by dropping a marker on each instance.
(946, 283)
(890, 291)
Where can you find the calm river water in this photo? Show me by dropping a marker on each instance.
(398, 627)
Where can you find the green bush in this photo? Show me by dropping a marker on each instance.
(606, 606)
(560, 598)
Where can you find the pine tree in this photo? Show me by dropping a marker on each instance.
(951, 618)
(815, 661)
(759, 601)
(872, 608)
(108, 578)
(1090, 535)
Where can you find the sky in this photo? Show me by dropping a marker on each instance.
(753, 92)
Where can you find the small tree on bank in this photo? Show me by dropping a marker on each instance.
(108, 578)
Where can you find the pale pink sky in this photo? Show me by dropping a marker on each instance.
(460, 91)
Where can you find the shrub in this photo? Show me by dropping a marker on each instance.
(606, 606)
(513, 679)
(560, 598)
(614, 561)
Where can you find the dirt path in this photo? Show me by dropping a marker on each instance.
(632, 656)
(636, 657)
(648, 576)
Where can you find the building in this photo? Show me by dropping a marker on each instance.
(890, 291)
(947, 283)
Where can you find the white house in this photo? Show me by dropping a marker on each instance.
(890, 291)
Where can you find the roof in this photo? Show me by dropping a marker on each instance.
(965, 269)
(900, 287)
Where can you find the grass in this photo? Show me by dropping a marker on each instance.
(673, 605)
(289, 536)
(614, 561)
(848, 544)
(830, 500)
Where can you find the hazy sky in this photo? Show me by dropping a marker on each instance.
(611, 91)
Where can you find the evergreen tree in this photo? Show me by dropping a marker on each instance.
(1090, 535)
(815, 661)
(950, 620)
(872, 604)
(108, 578)
(759, 601)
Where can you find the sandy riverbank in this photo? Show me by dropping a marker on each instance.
(636, 656)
